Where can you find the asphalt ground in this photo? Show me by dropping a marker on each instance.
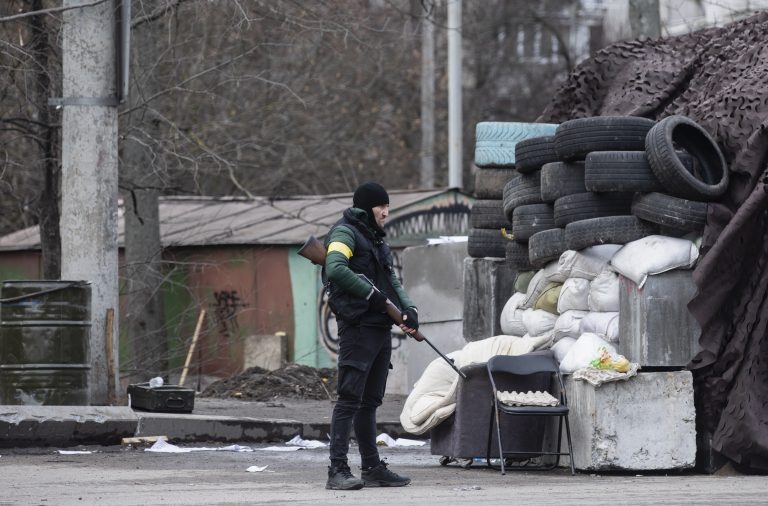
(117, 475)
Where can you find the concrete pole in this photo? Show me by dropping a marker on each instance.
(89, 173)
(427, 179)
(455, 121)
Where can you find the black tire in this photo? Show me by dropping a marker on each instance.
(489, 183)
(607, 230)
(546, 246)
(709, 178)
(669, 211)
(488, 214)
(559, 179)
(521, 190)
(583, 206)
(486, 243)
(577, 137)
(517, 257)
(531, 154)
(530, 219)
(619, 171)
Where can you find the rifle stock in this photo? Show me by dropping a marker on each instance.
(313, 250)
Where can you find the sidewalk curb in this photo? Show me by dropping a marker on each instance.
(198, 428)
(65, 426)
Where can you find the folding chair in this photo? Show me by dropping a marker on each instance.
(524, 365)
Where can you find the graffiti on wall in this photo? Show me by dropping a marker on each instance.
(228, 304)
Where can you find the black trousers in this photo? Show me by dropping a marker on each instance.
(364, 355)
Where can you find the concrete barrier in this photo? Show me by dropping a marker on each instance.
(65, 425)
(655, 326)
(645, 423)
(488, 284)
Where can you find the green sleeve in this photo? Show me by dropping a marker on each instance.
(337, 264)
(407, 302)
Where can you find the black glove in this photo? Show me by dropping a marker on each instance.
(411, 318)
(377, 302)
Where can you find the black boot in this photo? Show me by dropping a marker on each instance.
(341, 478)
(380, 476)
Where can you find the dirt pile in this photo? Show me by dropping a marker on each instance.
(293, 381)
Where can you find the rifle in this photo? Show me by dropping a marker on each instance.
(314, 251)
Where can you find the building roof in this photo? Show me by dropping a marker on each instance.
(200, 221)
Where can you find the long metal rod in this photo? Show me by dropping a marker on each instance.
(449, 360)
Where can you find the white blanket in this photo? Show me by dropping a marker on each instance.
(433, 398)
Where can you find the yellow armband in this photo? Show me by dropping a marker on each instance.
(341, 248)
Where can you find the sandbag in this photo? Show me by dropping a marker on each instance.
(604, 291)
(512, 316)
(538, 322)
(574, 295)
(535, 288)
(605, 325)
(654, 254)
(561, 347)
(586, 263)
(583, 351)
(548, 298)
(568, 324)
(522, 280)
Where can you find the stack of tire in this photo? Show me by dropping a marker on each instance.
(495, 159)
(609, 180)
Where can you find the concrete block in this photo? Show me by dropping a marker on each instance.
(269, 351)
(655, 326)
(433, 278)
(65, 425)
(488, 284)
(645, 423)
(446, 336)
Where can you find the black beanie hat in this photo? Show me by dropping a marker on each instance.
(369, 195)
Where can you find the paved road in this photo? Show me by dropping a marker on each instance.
(130, 476)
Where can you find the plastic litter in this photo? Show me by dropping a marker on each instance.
(162, 446)
(156, 382)
(306, 443)
(387, 440)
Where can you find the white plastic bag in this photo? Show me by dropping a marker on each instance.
(604, 291)
(574, 295)
(512, 316)
(538, 322)
(584, 350)
(654, 254)
(605, 325)
(568, 324)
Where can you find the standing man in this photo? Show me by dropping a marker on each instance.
(355, 245)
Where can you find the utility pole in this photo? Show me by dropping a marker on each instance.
(455, 121)
(427, 179)
(89, 172)
(644, 19)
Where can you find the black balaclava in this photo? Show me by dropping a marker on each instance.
(367, 196)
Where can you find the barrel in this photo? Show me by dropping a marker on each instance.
(45, 329)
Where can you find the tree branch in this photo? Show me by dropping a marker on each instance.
(49, 11)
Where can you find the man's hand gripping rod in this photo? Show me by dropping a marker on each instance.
(314, 251)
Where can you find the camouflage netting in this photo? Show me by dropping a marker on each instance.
(718, 78)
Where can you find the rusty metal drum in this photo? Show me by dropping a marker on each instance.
(44, 341)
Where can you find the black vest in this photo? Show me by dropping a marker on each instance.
(372, 258)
